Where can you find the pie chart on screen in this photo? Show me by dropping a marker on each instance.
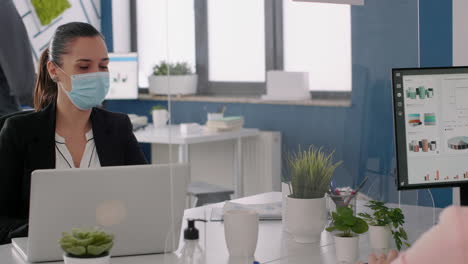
(458, 143)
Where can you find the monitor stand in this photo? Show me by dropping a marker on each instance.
(464, 195)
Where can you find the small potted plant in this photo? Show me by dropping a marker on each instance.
(347, 239)
(86, 246)
(170, 78)
(160, 115)
(383, 223)
(310, 172)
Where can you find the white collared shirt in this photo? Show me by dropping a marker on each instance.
(64, 160)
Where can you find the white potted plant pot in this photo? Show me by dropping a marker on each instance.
(285, 192)
(99, 260)
(380, 238)
(160, 117)
(347, 249)
(173, 84)
(306, 219)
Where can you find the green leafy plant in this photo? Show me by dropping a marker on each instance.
(310, 173)
(86, 243)
(343, 220)
(391, 217)
(165, 68)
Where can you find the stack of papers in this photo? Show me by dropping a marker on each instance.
(268, 211)
(190, 128)
(138, 121)
(229, 123)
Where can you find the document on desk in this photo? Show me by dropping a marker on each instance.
(267, 211)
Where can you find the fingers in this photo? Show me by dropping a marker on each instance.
(382, 259)
(372, 259)
(392, 255)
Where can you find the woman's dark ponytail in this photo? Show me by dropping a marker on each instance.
(46, 89)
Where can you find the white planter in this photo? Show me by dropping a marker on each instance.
(160, 118)
(380, 238)
(100, 260)
(285, 192)
(306, 219)
(347, 249)
(173, 84)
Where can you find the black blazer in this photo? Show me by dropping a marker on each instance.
(27, 143)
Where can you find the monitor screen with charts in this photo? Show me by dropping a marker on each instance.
(123, 70)
(431, 126)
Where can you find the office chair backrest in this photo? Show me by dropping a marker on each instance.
(5, 117)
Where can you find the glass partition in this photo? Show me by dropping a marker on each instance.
(359, 132)
(223, 46)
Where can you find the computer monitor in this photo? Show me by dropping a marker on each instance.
(123, 69)
(431, 127)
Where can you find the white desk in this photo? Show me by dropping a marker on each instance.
(274, 246)
(172, 135)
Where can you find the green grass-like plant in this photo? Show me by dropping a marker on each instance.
(48, 10)
(166, 68)
(82, 243)
(158, 107)
(310, 172)
(391, 217)
(346, 222)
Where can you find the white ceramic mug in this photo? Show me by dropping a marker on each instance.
(160, 118)
(241, 232)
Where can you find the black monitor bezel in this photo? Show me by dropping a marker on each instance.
(417, 71)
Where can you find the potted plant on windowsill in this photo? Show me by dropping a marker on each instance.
(173, 79)
(383, 223)
(86, 247)
(310, 173)
(347, 240)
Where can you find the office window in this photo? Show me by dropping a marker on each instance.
(317, 40)
(166, 32)
(236, 40)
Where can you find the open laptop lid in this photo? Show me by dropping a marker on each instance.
(131, 202)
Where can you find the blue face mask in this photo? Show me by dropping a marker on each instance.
(89, 89)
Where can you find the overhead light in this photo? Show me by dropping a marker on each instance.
(348, 2)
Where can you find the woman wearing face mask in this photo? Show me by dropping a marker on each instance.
(66, 130)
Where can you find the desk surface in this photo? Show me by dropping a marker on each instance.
(274, 245)
(172, 135)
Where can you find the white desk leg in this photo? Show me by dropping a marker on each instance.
(184, 158)
(183, 153)
(238, 175)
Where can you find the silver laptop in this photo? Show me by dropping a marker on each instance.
(131, 202)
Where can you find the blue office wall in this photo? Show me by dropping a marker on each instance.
(106, 23)
(384, 35)
(436, 33)
(436, 51)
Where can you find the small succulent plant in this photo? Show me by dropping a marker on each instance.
(86, 243)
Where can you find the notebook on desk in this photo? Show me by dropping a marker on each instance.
(267, 211)
(130, 202)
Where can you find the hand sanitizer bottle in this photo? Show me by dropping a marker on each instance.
(192, 253)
